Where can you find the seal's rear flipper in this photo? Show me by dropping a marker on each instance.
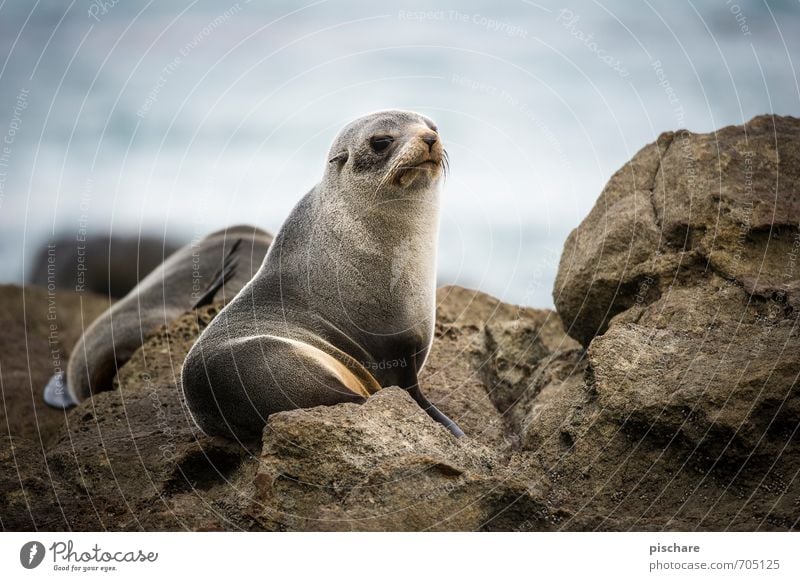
(226, 272)
(56, 394)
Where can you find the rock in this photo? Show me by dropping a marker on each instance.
(710, 362)
(483, 357)
(684, 412)
(132, 459)
(32, 496)
(107, 265)
(384, 465)
(134, 453)
(608, 472)
(727, 202)
(40, 328)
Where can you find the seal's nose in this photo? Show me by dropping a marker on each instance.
(430, 139)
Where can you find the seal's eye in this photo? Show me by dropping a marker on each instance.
(380, 143)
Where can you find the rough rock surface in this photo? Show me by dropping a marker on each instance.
(688, 205)
(384, 466)
(683, 283)
(132, 459)
(679, 409)
(37, 331)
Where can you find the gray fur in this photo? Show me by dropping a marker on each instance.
(344, 302)
(161, 297)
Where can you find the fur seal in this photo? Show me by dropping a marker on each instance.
(222, 261)
(344, 303)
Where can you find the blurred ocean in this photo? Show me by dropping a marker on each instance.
(177, 118)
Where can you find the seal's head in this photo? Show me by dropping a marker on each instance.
(388, 150)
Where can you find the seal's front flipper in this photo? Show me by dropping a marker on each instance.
(437, 415)
(224, 273)
(412, 388)
(56, 394)
(435, 412)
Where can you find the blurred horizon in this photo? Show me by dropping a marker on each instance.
(175, 120)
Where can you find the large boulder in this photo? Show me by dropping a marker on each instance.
(726, 202)
(682, 282)
(384, 466)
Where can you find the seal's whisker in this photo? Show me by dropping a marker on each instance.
(402, 158)
(389, 173)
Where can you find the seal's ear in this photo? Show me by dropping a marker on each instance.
(340, 158)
